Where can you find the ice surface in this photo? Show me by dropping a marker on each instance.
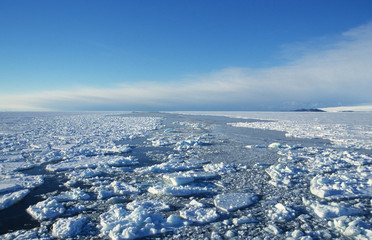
(124, 188)
(179, 191)
(332, 210)
(199, 214)
(283, 176)
(281, 213)
(356, 229)
(244, 219)
(47, 209)
(82, 162)
(184, 159)
(117, 223)
(182, 178)
(69, 227)
(230, 202)
(73, 194)
(9, 199)
(221, 168)
(170, 166)
(148, 205)
(344, 185)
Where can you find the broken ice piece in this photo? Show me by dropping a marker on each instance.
(230, 202)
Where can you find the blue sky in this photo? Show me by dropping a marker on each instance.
(184, 55)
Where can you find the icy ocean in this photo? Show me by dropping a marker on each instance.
(186, 175)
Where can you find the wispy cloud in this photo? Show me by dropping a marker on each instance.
(339, 74)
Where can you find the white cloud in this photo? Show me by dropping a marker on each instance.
(341, 74)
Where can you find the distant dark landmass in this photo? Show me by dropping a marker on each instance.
(309, 110)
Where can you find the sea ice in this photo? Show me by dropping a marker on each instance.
(73, 194)
(124, 188)
(148, 205)
(21, 181)
(117, 223)
(283, 176)
(69, 227)
(349, 227)
(179, 191)
(83, 162)
(7, 167)
(221, 168)
(281, 213)
(47, 209)
(199, 214)
(343, 184)
(230, 202)
(243, 220)
(9, 199)
(182, 178)
(170, 166)
(332, 210)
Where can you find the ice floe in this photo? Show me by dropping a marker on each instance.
(182, 178)
(344, 185)
(69, 227)
(179, 191)
(221, 168)
(148, 205)
(199, 214)
(332, 210)
(170, 166)
(9, 199)
(47, 209)
(117, 223)
(230, 202)
(281, 213)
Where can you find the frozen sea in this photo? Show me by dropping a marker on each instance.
(186, 175)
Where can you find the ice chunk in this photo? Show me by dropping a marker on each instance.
(333, 210)
(283, 175)
(21, 181)
(199, 214)
(274, 145)
(119, 224)
(230, 202)
(271, 228)
(186, 177)
(356, 229)
(281, 213)
(47, 209)
(124, 188)
(170, 166)
(69, 227)
(180, 191)
(83, 174)
(121, 161)
(9, 199)
(73, 194)
(15, 166)
(243, 220)
(344, 185)
(82, 162)
(159, 142)
(221, 168)
(148, 205)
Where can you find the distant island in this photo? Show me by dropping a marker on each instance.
(309, 110)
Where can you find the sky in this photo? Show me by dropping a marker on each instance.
(184, 55)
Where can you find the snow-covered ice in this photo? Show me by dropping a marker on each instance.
(230, 202)
(69, 227)
(168, 176)
(47, 209)
(9, 199)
